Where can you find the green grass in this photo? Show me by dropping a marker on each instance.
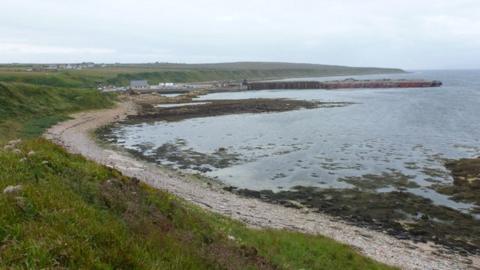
(35, 126)
(74, 213)
(54, 79)
(296, 251)
(27, 110)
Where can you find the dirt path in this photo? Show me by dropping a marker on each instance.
(75, 136)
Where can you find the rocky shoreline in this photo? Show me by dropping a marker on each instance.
(208, 108)
(400, 214)
(75, 135)
(466, 182)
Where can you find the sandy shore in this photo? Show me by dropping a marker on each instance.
(75, 136)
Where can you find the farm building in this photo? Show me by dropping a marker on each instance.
(139, 85)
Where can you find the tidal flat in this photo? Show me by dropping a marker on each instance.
(376, 158)
(401, 214)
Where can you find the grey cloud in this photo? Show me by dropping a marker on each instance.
(408, 34)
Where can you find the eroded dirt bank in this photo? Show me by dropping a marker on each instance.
(75, 135)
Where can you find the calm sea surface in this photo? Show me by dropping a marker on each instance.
(403, 131)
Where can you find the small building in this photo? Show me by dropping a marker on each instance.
(166, 85)
(139, 85)
(88, 64)
(52, 67)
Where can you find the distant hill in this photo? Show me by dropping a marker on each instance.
(260, 66)
(177, 72)
(121, 74)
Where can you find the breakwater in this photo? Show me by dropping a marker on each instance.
(342, 84)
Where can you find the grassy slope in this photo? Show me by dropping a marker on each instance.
(77, 214)
(26, 110)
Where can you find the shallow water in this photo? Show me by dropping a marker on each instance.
(406, 131)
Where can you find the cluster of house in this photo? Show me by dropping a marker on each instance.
(143, 85)
(56, 67)
(138, 85)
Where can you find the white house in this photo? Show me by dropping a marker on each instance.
(166, 85)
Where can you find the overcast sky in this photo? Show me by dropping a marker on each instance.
(410, 34)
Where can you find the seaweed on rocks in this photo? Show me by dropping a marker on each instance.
(401, 214)
(177, 156)
(466, 181)
(374, 182)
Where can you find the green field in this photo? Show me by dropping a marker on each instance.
(74, 213)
